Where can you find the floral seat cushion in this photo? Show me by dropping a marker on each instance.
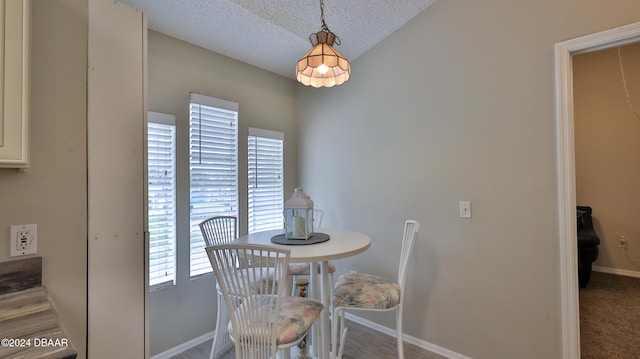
(305, 268)
(365, 291)
(296, 316)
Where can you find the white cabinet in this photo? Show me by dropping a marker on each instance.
(116, 138)
(14, 80)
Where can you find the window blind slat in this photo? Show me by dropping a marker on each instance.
(265, 180)
(161, 199)
(213, 169)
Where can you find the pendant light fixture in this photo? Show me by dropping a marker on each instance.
(323, 66)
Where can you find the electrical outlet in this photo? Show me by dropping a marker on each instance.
(622, 242)
(23, 240)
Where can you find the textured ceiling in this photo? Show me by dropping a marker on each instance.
(274, 35)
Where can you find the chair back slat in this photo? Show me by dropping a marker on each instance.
(219, 230)
(411, 228)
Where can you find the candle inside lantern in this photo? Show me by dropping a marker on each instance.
(299, 226)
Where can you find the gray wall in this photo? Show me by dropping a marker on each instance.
(187, 310)
(456, 105)
(53, 192)
(607, 148)
(465, 113)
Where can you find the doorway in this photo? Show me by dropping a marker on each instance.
(565, 162)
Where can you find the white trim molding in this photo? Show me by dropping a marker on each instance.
(616, 271)
(170, 353)
(565, 163)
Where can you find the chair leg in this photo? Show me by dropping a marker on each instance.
(221, 341)
(332, 283)
(337, 350)
(399, 333)
(334, 333)
(291, 285)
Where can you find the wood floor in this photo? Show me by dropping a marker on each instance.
(362, 343)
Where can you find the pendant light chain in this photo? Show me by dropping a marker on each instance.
(626, 89)
(324, 25)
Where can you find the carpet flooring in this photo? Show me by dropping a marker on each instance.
(610, 317)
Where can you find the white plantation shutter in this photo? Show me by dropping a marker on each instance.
(265, 192)
(213, 148)
(161, 168)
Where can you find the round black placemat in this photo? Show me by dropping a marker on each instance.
(315, 238)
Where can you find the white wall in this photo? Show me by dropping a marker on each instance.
(187, 310)
(53, 192)
(456, 105)
(607, 146)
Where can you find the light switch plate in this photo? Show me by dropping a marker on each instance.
(23, 239)
(465, 209)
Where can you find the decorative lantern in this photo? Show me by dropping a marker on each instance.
(298, 216)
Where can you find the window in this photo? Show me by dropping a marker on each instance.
(213, 151)
(161, 169)
(266, 198)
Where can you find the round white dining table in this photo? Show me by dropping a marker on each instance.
(342, 243)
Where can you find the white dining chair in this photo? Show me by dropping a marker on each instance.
(263, 317)
(360, 291)
(220, 230)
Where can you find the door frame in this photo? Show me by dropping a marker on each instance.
(565, 162)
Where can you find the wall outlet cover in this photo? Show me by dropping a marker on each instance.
(23, 239)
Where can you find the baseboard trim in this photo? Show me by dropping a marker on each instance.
(184, 346)
(407, 338)
(625, 272)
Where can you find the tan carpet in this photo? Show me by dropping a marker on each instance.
(610, 317)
